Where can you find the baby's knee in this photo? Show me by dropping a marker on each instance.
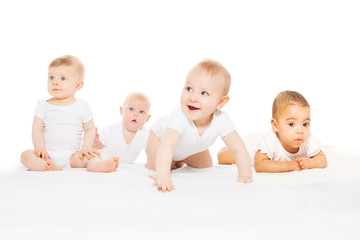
(26, 155)
(225, 156)
(77, 162)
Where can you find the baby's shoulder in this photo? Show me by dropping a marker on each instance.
(82, 102)
(312, 140)
(143, 132)
(221, 117)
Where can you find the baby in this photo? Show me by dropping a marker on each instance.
(60, 121)
(127, 138)
(289, 146)
(184, 136)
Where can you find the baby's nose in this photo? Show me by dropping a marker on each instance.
(300, 129)
(55, 82)
(193, 98)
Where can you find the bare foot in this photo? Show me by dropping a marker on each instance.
(177, 164)
(52, 167)
(109, 165)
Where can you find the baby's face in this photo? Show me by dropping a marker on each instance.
(293, 127)
(201, 95)
(63, 82)
(135, 114)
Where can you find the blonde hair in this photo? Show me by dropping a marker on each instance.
(140, 96)
(68, 60)
(215, 69)
(286, 98)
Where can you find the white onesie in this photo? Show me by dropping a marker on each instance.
(115, 145)
(63, 128)
(267, 142)
(190, 142)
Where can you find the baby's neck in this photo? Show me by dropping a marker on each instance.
(62, 102)
(128, 135)
(203, 124)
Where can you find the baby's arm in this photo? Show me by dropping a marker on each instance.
(88, 141)
(38, 139)
(317, 161)
(237, 147)
(164, 158)
(264, 164)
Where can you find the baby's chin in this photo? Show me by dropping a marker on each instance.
(132, 126)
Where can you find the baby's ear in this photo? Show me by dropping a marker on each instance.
(121, 110)
(79, 85)
(148, 117)
(223, 100)
(274, 125)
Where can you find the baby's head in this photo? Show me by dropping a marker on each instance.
(66, 76)
(206, 90)
(291, 120)
(135, 111)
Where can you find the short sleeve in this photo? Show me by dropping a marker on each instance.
(312, 146)
(39, 110)
(87, 113)
(226, 125)
(178, 121)
(104, 135)
(267, 144)
(145, 135)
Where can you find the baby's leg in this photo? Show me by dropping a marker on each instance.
(225, 156)
(34, 163)
(199, 160)
(97, 165)
(152, 149)
(76, 162)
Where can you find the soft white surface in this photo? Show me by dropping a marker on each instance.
(76, 204)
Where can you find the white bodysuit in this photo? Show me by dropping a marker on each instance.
(190, 142)
(267, 142)
(115, 145)
(63, 128)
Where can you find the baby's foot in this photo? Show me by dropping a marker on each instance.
(52, 167)
(109, 165)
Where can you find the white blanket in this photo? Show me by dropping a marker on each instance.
(208, 203)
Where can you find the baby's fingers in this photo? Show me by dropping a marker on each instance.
(97, 153)
(37, 153)
(46, 157)
(167, 186)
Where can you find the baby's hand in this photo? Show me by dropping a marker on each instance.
(164, 182)
(43, 154)
(97, 144)
(304, 163)
(88, 152)
(244, 179)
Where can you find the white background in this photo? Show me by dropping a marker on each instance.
(268, 46)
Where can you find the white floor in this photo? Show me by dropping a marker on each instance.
(208, 203)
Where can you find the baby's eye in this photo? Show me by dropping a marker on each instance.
(189, 89)
(51, 77)
(291, 124)
(204, 93)
(63, 78)
(142, 112)
(306, 124)
(131, 109)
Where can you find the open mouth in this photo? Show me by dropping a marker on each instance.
(192, 108)
(134, 121)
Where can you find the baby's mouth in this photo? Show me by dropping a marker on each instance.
(134, 121)
(192, 108)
